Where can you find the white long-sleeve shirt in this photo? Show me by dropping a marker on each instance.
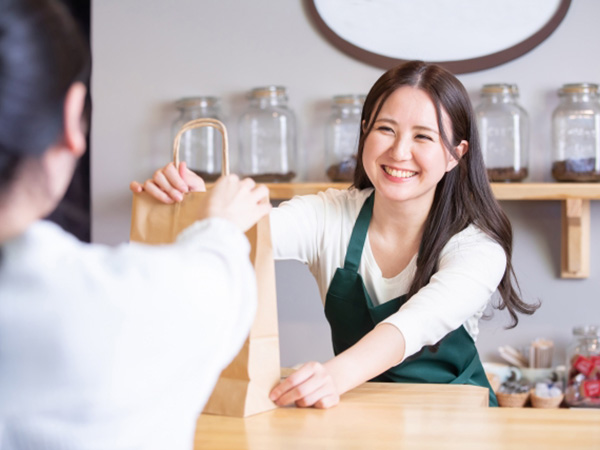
(316, 229)
(117, 348)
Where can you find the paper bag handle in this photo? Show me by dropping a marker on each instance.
(198, 123)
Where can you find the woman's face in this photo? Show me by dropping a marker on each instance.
(403, 155)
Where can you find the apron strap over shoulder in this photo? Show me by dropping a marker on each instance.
(359, 235)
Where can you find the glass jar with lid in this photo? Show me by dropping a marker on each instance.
(341, 137)
(267, 136)
(576, 134)
(583, 365)
(504, 132)
(200, 148)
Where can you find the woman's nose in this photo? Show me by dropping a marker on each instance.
(401, 149)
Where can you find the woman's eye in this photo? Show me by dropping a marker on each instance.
(384, 128)
(424, 137)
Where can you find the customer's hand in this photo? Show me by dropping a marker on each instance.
(169, 184)
(243, 202)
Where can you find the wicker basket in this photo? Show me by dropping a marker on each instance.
(494, 381)
(512, 400)
(546, 402)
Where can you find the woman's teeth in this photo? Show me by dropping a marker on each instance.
(399, 173)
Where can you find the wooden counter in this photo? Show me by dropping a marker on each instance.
(403, 416)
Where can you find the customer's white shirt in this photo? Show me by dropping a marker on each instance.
(117, 348)
(316, 229)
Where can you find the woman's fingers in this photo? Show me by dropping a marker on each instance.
(311, 385)
(262, 210)
(245, 185)
(304, 394)
(327, 401)
(260, 194)
(241, 201)
(322, 397)
(238, 200)
(289, 384)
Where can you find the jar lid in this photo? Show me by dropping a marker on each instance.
(500, 88)
(349, 99)
(195, 102)
(579, 88)
(586, 331)
(268, 91)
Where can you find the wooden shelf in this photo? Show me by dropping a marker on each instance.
(575, 199)
(503, 191)
(546, 191)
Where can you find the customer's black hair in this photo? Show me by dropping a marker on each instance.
(42, 53)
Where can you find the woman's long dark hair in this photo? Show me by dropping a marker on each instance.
(42, 53)
(463, 196)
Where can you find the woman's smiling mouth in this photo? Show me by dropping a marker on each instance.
(398, 173)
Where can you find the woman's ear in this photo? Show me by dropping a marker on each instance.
(74, 126)
(460, 150)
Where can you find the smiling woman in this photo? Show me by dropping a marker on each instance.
(405, 149)
(462, 35)
(407, 260)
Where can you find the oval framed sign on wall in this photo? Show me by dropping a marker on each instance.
(461, 35)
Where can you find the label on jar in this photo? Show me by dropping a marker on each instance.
(591, 388)
(595, 372)
(583, 365)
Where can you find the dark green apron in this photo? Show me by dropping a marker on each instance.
(351, 315)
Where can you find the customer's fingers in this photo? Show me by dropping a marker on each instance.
(193, 181)
(136, 187)
(151, 188)
(162, 182)
(175, 180)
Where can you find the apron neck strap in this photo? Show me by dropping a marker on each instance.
(359, 235)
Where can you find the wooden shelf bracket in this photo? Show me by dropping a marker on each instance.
(575, 239)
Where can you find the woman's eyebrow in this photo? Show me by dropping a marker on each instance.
(416, 127)
(384, 119)
(423, 127)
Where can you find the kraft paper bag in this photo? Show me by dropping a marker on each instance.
(244, 386)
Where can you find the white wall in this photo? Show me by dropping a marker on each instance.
(147, 53)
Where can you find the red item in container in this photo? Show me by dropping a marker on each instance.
(591, 388)
(595, 372)
(583, 365)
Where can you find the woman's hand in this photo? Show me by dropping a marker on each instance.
(169, 184)
(320, 385)
(311, 385)
(242, 202)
